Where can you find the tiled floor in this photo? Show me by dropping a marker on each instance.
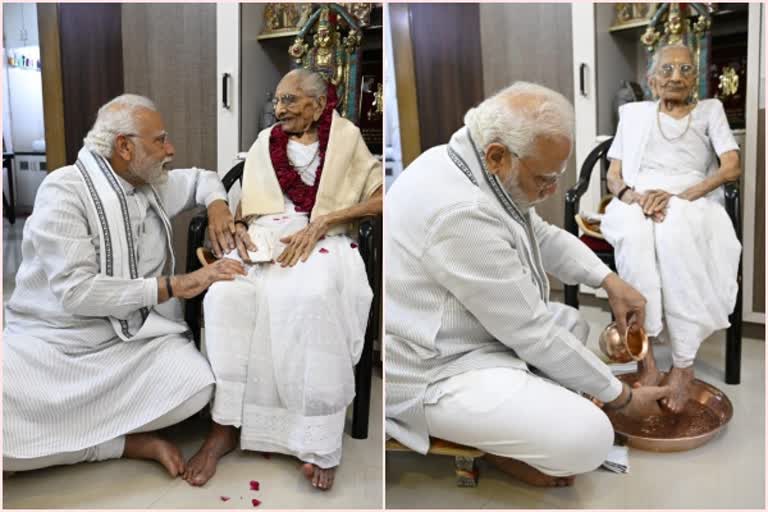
(139, 484)
(729, 472)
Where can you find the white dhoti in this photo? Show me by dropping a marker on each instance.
(112, 449)
(515, 414)
(685, 266)
(283, 343)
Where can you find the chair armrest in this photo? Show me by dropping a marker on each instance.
(369, 237)
(196, 238)
(733, 205)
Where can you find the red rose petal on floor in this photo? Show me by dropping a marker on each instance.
(254, 485)
(224, 498)
(255, 502)
(323, 251)
(353, 245)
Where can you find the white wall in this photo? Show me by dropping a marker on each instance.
(26, 106)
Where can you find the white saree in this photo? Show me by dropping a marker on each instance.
(283, 342)
(685, 266)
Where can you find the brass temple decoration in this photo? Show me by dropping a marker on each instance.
(361, 11)
(285, 18)
(329, 43)
(672, 24)
(632, 14)
(729, 82)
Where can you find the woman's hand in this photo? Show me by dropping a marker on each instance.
(655, 201)
(300, 244)
(243, 242)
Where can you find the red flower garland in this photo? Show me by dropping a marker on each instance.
(302, 195)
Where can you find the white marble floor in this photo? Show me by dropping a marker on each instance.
(729, 472)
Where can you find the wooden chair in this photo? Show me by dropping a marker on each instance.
(370, 249)
(464, 458)
(604, 251)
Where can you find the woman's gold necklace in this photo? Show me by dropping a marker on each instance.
(658, 123)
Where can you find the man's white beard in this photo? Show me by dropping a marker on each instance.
(512, 186)
(144, 168)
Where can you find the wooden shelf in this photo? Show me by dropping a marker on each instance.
(293, 33)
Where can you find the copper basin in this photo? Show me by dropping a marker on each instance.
(708, 411)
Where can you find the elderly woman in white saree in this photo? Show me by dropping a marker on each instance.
(283, 340)
(673, 239)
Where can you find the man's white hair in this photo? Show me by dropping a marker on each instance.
(517, 124)
(656, 60)
(118, 116)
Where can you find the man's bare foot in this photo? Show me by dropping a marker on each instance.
(649, 375)
(221, 440)
(679, 380)
(320, 478)
(528, 474)
(148, 445)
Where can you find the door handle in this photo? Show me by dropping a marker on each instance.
(225, 101)
(583, 79)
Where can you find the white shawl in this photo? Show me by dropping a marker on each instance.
(118, 252)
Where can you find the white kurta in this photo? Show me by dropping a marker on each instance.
(466, 289)
(685, 266)
(69, 382)
(283, 342)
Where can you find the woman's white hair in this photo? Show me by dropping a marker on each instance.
(656, 59)
(538, 111)
(311, 83)
(118, 116)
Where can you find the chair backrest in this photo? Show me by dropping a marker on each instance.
(597, 155)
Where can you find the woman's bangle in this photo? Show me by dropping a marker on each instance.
(622, 192)
(241, 221)
(623, 405)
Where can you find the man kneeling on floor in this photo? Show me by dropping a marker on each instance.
(96, 354)
(468, 308)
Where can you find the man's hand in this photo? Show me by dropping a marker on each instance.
(645, 401)
(243, 242)
(300, 244)
(190, 285)
(221, 227)
(625, 302)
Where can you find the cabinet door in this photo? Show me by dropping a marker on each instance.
(753, 178)
(228, 84)
(585, 94)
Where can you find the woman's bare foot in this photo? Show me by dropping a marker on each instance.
(148, 445)
(528, 474)
(679, 380)
(649, 375)
(221, 440)
(320, 478)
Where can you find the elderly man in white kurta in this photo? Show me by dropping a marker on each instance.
(283, 341)
(96, 353)
(673, 239)
(468, 313)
